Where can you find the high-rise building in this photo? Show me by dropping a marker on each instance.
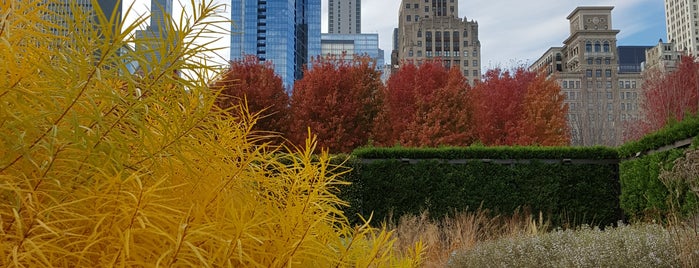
(682, 18)
(349, 45)
(154, 38)
(61, 10)
(599, 80)
(431, 29)
(344, 16)
(283, 32)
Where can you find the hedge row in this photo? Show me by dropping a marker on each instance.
(689, 127)
(481, 152)
(567, 193)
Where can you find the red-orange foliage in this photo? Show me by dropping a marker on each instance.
(667, 97)
(255, 82)
(498, 105)
(338, 100)
(544, 115)
(425, 105)
(445, 116)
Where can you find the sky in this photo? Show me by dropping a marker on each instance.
(511, 32)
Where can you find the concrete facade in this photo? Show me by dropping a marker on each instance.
(431, 29)
(344, 16)
(682, 20)
(662, 57)
(600, 94)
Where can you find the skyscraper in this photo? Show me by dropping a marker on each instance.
(284, 32)
(682, 19)
(600, 80)
(431, 29)
(154, 39)
(344, 16)
(61, 10)
(159, 10)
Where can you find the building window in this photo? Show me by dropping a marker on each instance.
(465, 63)
(410, 53)
(565, 84)
(598, 47)
(407, 18)
(419, 53)
(598, 73)
(588, 73)
(465, 43)
(621, 84)
(475, 63)
(588, 46)
(475, 73)
(466, 73)
(427, 9)
(419, 43)
(456, 54)
(475, 53)
(608, 73)
(407, 6)
(419, 33)
(627, 84)
(607, 61)
(416, 6)
(608, 86)
(429, 54)
(605, 47)
(446, 53)
(465, 54)
(465, 33)
(589, 61)
(633, 84)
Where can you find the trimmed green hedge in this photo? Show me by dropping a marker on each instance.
(689, 127)
(480, 152)
(567, 193)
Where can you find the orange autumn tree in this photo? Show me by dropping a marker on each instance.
(424, 105)
(336, 98)
(445, 118)
(248, 81)
(543, 120)
(498, 105)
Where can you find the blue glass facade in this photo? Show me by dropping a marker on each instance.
(353, 44)
(283, 32)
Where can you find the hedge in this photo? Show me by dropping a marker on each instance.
(481, 152)
(687, 128)
(567, 193)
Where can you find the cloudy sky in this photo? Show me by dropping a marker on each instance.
(512, 32)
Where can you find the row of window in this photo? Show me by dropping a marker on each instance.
(598, 73)
(438, 35)
(598, 61)
(597, 46)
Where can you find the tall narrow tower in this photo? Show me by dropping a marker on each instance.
(344, 16)
(682, 17)
(159, 9)
(284, 32)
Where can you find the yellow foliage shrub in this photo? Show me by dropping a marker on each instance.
(102, 168)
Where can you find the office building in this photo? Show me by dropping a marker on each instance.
(59, 12)
(283, 32)
(600, 80)
(431, 29)
(344, 16)
(662, 57)
(349, 45)
(682, 18)
(154, 38)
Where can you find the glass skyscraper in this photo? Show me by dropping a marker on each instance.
(353, 44)
(283, 32)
